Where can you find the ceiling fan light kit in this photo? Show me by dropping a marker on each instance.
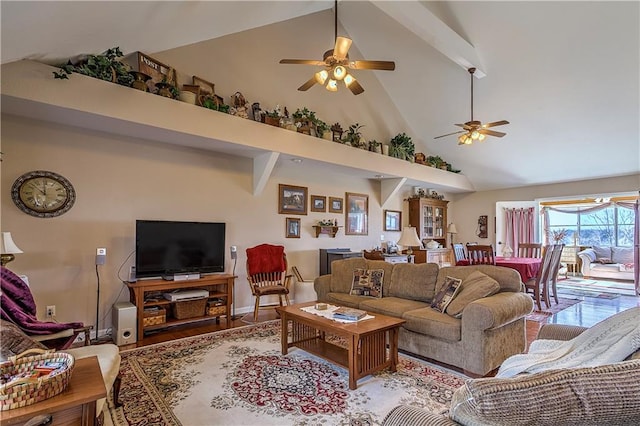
(474, 130)
(336, 61)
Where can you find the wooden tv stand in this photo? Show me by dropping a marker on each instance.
(220, 286)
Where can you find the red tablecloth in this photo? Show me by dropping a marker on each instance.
(526, 266)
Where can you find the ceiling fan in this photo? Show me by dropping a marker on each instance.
(473, 129)
(335, 63)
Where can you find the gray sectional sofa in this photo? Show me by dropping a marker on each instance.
(489, 330)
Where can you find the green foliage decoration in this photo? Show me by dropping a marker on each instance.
(105, 66)
(401, 146)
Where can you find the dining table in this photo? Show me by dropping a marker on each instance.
(527, 267)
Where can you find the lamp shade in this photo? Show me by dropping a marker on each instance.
(452, 228)
(409, 237)
(7, 246)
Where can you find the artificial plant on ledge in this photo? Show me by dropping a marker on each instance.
(105, 66)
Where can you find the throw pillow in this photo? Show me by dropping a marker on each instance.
(367, 282)
(446, 294)
(605, 261)
(602, 252)
(609, 394)
(476, 286)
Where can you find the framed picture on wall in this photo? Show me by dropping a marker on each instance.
(356, 214)
(318, 203)
(392, 220)
(292, 199)
(292, 229)
(335, 205)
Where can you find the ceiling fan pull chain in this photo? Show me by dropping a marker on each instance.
(335, 22)
(471, 71)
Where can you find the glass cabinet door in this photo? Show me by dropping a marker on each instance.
(427, 220)
(438, 230)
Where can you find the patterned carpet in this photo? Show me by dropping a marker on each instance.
(240, 377)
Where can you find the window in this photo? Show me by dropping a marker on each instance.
(612, 226)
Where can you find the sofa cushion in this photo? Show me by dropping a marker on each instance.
(367, 282)
(602, 252)
(342, 273)
(474, 287)
(608, 394)
(509, 279)
(392, 306)
(605, 261)
(413, 281)
(13, 341)
(344, 299)
(622, 254)
(433, 323)
(446, 294)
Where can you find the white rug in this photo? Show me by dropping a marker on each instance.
(240, 377)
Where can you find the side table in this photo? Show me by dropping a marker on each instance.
(76, 405)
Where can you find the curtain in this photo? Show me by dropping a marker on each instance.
(519, 227)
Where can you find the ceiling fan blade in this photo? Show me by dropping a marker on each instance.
(342, 48)
(302, 62)
(491, 133)
(449, 134)
(464, 126)
(355, 87)
(307, 85)
(373, 65)
(495, 123)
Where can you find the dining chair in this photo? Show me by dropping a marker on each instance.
(530, 250)
(538, 286)
(479, 254)
(267, 274)
(555, 270)
(458, 252)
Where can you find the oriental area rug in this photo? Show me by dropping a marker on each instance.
(240, 377)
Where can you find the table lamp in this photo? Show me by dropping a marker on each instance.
(409, 238)
(452, 230)
(8, 248)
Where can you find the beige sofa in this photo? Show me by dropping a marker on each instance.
(595, 396)
(490, 329)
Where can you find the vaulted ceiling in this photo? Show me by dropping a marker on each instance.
(565, 74)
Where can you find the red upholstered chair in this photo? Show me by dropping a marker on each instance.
(267, 274)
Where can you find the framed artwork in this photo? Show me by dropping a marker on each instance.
(335, 205)
(292, 199)
(356, 214)
(392, 220)
(292, 229)
(318, 203)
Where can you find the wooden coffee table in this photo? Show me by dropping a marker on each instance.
(366, 350)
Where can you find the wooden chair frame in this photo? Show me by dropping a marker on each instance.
(267, 284)
(533, 250)
(539, 284)
(478, 254)
(459, 252)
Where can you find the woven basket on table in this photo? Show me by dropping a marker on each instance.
(27, 391)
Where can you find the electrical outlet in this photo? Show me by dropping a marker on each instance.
(101, 256)
(234, 252)
(51, 311)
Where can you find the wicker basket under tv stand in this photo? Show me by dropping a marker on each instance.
(220, 286)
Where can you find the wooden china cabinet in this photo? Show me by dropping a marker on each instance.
(429, 216)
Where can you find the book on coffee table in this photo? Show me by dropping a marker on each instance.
(350, 314)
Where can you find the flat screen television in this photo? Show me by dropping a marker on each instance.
(166, 248)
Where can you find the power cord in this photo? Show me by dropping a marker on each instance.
(97, 302)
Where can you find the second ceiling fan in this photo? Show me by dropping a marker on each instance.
(336, 62)
(474, 130)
